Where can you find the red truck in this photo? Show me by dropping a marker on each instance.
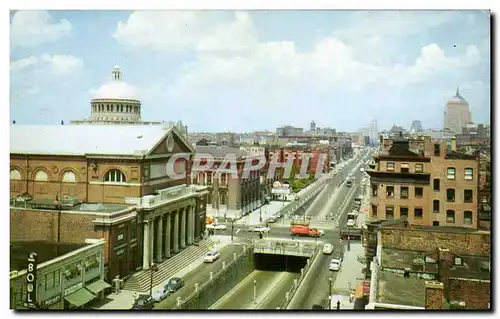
(305, 231)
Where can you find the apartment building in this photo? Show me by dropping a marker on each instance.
(428, 183)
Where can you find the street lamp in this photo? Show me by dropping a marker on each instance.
(153, 268)
(232, 229)
(348, 238)
(255, 291)
(260, 214)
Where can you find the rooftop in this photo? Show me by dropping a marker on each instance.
(83, 207)
(19, 252)
(396, 289)
(401, 259)
(219, 151)
(80, 140)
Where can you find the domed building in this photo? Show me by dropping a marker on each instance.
(115, 102)
(457, 114)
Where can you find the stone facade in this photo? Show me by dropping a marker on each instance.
(433, 295)
(473, 292)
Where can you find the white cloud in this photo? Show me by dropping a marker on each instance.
(32, 28)
(19, 65)
(185, 31)
(63, 64)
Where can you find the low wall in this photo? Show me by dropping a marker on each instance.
(212, 289)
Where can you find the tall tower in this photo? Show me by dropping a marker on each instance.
(373, 132)
(457, 113)
(313, 127)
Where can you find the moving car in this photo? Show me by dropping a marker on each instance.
(351, 223)
(335, 264)
(305, 231)
(216, 226)
(327, 249)
(143, 302)
(174, 284)
(212, 256)
(259, 229)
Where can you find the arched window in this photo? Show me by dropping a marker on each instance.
(15, 175)
(41, 176)
(69, 177)
(115, 176)
(222, 199)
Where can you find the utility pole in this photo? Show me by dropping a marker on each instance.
(348, 238)
(232, 229)
(330, 294)
(260, 214)
(255, 291)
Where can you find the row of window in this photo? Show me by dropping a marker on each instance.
(418, 213)
(419, 168)
(53, 278)
(419, 193)
(405, 167)
(112, 175)
(116, 108)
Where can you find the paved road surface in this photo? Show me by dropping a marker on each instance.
(198, 275)
(317, 290)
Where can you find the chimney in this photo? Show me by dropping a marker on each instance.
(445, 255)
(453, 144)
(434, 295)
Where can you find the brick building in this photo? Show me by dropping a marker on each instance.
(229, 197)
(73, 182)
(425, 267)
(428, 183)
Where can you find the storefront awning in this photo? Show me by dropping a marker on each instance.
(97, 286)
(80, 297)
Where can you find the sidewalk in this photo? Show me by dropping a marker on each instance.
(351, 273)
(125, 298)
(253, 218)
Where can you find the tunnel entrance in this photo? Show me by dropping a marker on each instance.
(279, 262)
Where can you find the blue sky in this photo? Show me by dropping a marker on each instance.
(254, 70)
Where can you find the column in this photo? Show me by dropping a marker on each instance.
(159, 239)
(189, 226)
(183, 227)
(193, 222)
(151, 241)
(168, 230)
(145, 244)
(176, 232)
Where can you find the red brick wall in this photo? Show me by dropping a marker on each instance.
(475, 293)
(484, 224)
(426, 240)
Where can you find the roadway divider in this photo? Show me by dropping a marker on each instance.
(217, 284)
(304, 274)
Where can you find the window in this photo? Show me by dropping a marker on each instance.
(222, 199)
(374, 190)
(419, 191)
(73, 271)
(437, 150)
(209, 178)
(450, 216)
(374, 210)
(390, 191)
(69, 177)
(469, 174)
(390, 166)
(450, 195)
(435, 206)
(404, 192)
(467, 195)
(133, 230)
(403, 212)
(418, 212)
(451, 173)
(120, 236)
(405, 167)
(435, 223)
(15, 175)
(223, 179)
(49, 280)
(436, 185)
(92, 262)
(468, 217)
(41, 176)
(389, 212)
(419, 168)
(115, 176)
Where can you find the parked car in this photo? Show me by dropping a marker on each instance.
(327, 249)
(317, 307)
(211, 256)
(216, 226)
(143, 302)
(174, 284)
(351, 223)
(272, 219)
(259, 229)
(335, 264)
(161, 294)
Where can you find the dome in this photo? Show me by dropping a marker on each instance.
(116, 89)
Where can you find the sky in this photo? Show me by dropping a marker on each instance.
(253, 70)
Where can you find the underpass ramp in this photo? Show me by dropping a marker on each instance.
(289, 247)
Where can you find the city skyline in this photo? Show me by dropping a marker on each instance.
(254, 70)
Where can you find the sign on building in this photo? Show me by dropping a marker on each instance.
(31, 301)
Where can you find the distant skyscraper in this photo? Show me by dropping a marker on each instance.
(416, 126)
(374, 131)
(457, 114)
(313, 126)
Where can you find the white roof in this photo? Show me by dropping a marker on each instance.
(116, 90)
(85, 139)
